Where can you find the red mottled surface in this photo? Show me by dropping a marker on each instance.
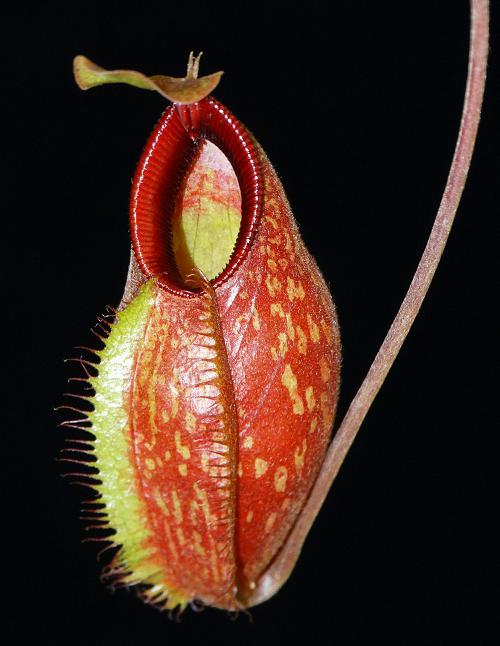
(210, 179)
(232, 402)
(283, 346)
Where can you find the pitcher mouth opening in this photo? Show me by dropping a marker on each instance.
(185, 135)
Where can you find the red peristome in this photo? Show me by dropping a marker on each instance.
(170, 150)
(232, 398)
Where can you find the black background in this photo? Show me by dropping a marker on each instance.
(357, 105)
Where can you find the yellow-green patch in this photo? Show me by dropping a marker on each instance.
(204, 236)
(110, 425)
